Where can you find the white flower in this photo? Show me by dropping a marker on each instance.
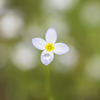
(49, 46)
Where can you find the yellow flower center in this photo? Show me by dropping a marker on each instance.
(49, 47)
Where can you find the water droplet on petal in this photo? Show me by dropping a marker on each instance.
(47, 57)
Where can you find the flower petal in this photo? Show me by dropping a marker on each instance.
(51, 35)
(47, 57)
(39, 43)
(60, 48)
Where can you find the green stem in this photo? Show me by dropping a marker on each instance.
(47, 79)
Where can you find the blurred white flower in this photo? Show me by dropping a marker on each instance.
(71, 58)
(58, 24)
(90, 14)
(49, 46)
(11, 25)
(23, 56)
(2, 4)
(93, 67)
(61, 5)
(68, 61)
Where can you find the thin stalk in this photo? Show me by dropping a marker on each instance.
(47, 79)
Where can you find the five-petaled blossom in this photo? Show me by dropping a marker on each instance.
(49, 46)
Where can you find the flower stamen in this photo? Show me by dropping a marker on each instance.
(49, 47)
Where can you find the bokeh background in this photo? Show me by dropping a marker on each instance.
(75, 75)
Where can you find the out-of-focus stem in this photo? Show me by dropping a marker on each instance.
(47, 79)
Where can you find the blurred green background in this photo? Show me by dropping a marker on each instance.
(75, 75)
